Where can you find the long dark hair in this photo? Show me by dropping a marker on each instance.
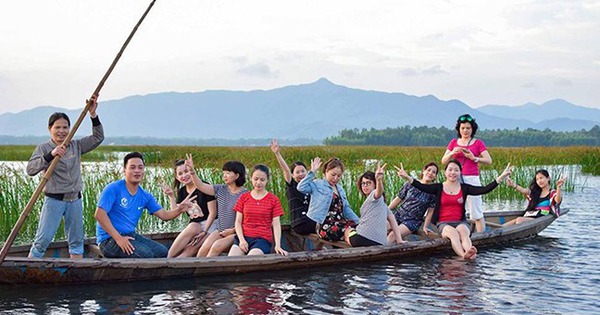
(176, 183)
(535, 190)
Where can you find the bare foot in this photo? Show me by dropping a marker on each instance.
(469, 254)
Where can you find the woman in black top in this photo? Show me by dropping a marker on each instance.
(297, 201)
(202, 215)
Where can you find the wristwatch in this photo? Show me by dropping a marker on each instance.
(476, 160)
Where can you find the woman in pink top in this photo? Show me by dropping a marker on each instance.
(470, 152)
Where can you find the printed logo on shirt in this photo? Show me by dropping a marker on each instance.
(460, 200)
(124, 202)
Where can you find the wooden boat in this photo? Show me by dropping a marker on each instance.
(54, 269)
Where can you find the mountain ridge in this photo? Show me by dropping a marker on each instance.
(310, 110)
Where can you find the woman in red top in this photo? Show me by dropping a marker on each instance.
(449, 211)
(257, 211)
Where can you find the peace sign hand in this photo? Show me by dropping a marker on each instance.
(380, 170)
(189, 162)
(167, 190)
(561, 181)
(275, 146)
(402, 173)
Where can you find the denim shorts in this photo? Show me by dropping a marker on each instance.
(255, 242)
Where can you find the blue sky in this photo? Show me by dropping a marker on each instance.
(481, 52)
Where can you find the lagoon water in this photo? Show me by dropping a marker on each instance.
(555, 273)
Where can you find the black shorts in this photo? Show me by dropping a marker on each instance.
(356, 240)
(440, 226)
(305, 228)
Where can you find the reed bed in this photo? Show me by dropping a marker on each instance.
(16, 187)
(354, 157)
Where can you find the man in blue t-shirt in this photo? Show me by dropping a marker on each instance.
(119, 209)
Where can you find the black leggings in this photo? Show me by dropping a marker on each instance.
(357, 240)
(305, 228)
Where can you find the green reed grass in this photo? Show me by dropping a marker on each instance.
(16, 187)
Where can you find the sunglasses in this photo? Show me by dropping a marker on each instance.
(465, 118)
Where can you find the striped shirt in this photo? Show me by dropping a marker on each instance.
(259, 214)
(225, 202)
(373, 219)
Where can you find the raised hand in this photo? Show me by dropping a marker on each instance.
(315, 164)
(560, 181)
(380, 170)
(93, 106)
(401, 172)
(275, 146)
(505, 173)
(189, 162)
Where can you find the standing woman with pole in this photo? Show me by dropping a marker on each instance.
(63, 190)
(13, 233)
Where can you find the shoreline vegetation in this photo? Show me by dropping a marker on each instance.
(434, 136)
(104, 165)
(399, 136)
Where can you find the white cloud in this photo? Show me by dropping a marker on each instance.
(477, 51)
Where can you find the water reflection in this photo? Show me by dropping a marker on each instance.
(555, 273)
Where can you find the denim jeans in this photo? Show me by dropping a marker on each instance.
(53, 211)
(144, 248)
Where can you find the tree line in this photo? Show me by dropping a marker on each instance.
(439, 136)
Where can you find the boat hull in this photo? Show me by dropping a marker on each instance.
(56, 270)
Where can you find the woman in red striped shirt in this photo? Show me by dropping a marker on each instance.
(257, 223)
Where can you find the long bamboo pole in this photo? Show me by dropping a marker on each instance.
(50, 170)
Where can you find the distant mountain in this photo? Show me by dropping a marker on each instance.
(310, 111)
(553, 110)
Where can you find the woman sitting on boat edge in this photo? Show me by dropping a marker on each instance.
(297, 201)
(374, 213)
(257, 219)
(227, 194)
(449, 212)
(414, 204)
(202, 215)
(329, 205)
(543, 200)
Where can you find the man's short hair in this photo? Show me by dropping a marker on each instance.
(132, 155)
